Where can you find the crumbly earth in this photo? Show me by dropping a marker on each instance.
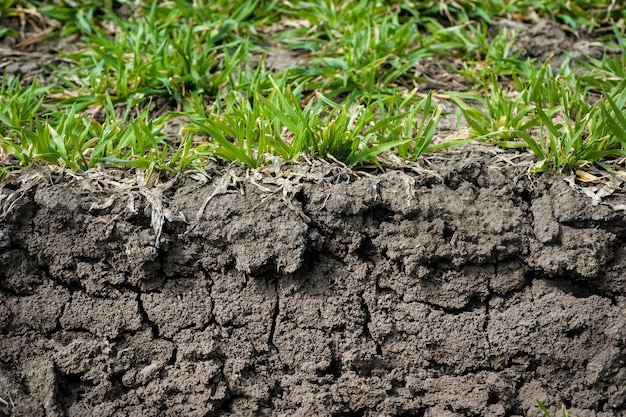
(470, 289)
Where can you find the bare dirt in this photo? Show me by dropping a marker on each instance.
(465, 290)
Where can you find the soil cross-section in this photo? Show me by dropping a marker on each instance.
(465, 293)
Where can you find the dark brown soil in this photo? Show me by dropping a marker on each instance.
(312, 290)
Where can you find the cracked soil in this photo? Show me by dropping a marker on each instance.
(468, 290)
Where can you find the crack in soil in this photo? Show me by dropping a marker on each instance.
(488, 307)
(154, 328)
(275, 314)
(366, 322)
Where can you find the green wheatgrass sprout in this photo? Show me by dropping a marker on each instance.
(546, 412)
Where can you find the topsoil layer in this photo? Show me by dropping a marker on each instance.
(312, 290)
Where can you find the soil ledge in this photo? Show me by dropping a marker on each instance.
(469, 290)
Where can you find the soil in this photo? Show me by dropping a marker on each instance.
(467, 287)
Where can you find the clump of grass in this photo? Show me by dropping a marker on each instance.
(505, 116)
(246, 129)
(78, 142)
(357, 50)
(552, 118)
(76, 17)
(150, 56)
(583, 134)
(20, 105)
(605, 73)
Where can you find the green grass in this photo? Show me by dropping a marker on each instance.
(249, 128)
(546, 412)
(571, 131)
(352, 95)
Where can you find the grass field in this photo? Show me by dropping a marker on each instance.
(254, 80)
